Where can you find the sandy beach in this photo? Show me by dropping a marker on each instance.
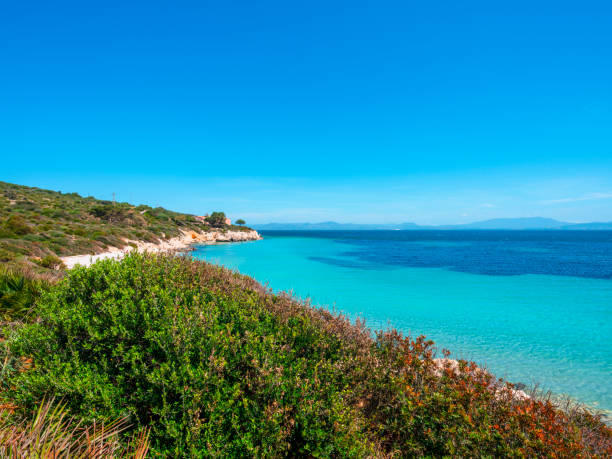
(176, 243)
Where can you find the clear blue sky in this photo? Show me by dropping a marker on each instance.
(432, 112)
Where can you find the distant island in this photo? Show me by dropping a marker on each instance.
(525, 223)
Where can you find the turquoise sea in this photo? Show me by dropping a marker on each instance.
(532, 306)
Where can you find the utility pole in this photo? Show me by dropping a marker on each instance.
(113, 198)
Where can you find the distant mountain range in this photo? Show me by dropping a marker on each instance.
(529, 223)
(335, 226)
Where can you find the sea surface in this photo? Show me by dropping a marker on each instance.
(534, 307)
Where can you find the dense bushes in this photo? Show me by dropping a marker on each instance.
(216, 366)
(195, 353)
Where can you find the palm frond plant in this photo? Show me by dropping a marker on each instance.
(52, 433)
(18, 292)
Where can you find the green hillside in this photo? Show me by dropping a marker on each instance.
(37, 225)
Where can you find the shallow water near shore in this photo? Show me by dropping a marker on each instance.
(532, 306)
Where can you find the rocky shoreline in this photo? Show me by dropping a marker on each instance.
(223, 236)
(177, 244)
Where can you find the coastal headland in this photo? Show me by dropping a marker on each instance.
(176, 244)
(46, 231)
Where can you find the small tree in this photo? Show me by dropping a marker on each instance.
(240, 221)
(216, 219)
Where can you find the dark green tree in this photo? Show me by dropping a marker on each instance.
(240, 221)
(216, 219)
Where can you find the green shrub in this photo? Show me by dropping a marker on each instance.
(79, 231)
(26, 205)
(51, 261)
(98, 234)
(57, 247)
(6, 255)
(45, 226)
(103, 212)
(33, 238)
(17, 226)
(60, 241)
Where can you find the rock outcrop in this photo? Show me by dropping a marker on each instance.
(224, 236)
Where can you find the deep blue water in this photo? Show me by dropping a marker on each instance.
(532, 306)
(494, 253)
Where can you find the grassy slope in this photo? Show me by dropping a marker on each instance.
(35, 223)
